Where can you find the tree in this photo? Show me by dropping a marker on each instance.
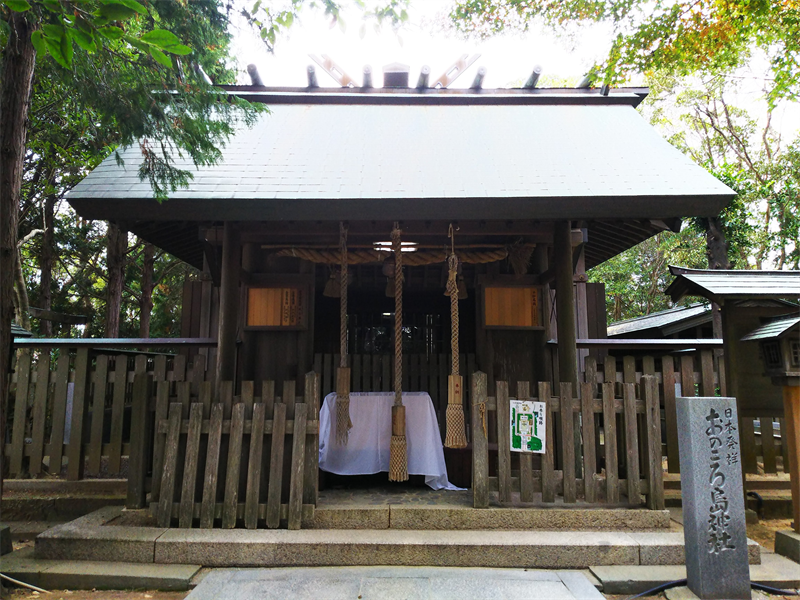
(758, 229)
(740, 147)
(675, 36)
(113, 56)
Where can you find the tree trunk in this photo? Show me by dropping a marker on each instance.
(46, 264)
(16, 81)
(115, 263)
(146, 302)
(716, 245)
(717, 253)
(22, 305)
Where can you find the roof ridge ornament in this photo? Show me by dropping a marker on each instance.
(334, 70)
(455, 70)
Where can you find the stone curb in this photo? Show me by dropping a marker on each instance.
(787, 543)
(55, 509)
(774, 570)
(87, 575)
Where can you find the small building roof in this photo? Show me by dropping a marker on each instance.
(19, 332)
(666, 320)
(435, 154)
(720, 285)
(775, 328)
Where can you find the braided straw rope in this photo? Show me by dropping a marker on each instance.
(452, 291)
(398, 316)
(456, 436)
(343, 422)
(413, 259)
(398, 451)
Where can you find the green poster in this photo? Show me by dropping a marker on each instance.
(528, 426)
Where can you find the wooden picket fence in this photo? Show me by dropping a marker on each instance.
(764, 446)
(245, 459)
(76, 409)
(598, 449)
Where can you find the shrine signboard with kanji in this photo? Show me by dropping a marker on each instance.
(717, 563)
(528, 426)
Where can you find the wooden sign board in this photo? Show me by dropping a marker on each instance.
(528, 426)
(277, 307)
(512, 307)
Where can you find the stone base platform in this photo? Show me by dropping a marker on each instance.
(91, 538)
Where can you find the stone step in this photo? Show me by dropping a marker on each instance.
(91, 539)
(444, 517)
(528, 549)
(87, 575)
(774, 570)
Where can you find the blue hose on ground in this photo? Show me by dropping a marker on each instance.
(679, 582)
(659, 588)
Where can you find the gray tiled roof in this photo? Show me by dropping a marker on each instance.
(718, 285)
(773, 329)
(657, 319)
(385, 152)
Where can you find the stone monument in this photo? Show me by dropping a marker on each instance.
(713, 498)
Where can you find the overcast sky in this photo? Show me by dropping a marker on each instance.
(508, 59)
(422, 41)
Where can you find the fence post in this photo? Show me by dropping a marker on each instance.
(655, 497)
(311, 471)
(80, 392)
(480, 443)
(140, 434)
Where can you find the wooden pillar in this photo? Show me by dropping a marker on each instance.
(791, 410)
(248, 355)
(581, 309)
(541, 358)
(565, 304)
(228, 305)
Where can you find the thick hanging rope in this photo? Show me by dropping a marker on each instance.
(343, 422)
(398, 453)
(456, 436)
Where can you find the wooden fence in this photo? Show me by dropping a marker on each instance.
(598, 449)
(72, 408)
(763, 437)
(244, 459)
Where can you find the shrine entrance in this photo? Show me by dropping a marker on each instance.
(426, 345)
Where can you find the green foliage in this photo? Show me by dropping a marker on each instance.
(676, 36)
(761, 225)
(635, 279)
(741, 148)
(114, 96)
(272, 21)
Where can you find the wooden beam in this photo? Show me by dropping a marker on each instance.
(372, 230)
(51, 315)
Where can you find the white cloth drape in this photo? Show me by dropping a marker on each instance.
(367, 449)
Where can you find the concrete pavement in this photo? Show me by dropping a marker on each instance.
(394, 583)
